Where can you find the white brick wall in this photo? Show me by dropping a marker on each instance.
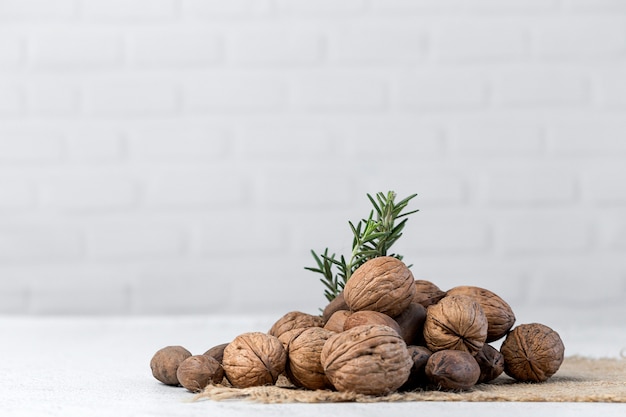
(183, 156)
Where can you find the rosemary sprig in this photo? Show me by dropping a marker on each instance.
(372, 237)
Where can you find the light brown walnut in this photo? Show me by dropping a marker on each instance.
(254, 359)
(198, 371)
(304, 367)
(360, 318)
(427, 293)
(295, 320)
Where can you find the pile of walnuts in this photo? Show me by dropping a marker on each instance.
(385, 332)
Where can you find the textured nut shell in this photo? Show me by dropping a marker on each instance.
(411, 322)
(336, 304)
(499, 314)
(295, 320)
(198, 371)
(371, 360)
(491, 363)
(360, 318)
(383, 284)
(456, 322)
(336, 321)
(165, 362)
(288, 336)
(217, 352)
(254, 359)
(532, 352)
(304, 366)
(417, 378)
(427, 293)
(452, 370)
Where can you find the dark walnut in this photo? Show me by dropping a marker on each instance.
(337, 320)
(499, 314)
(452, 370)
(455, 322)
(417, 378)
(411, 322)
(532, 352)
(360, 318)
(165, 363)
(254, 359)
(491, 363)
(383, 284)
(217, 352)
(304, 367)
(336, 304)
(295, 320)
(371, 360)
(198, 371)
(427, 293)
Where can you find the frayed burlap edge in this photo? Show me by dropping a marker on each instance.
(578, 380)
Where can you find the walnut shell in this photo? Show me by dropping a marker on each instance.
(217, 352)
(165, 363)
(455, 322)
(452, 370)
(427, 293)
(336, 304)
(500, 316)
(295, 320)
(383, 284)
(417, 378)
(360, 318)
(336, 321)
(198, 371)
(370, 359)
(491, 363)
(532, 352)
(254, 359)
(411, 322)
(304, 366)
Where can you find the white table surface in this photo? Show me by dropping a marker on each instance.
(99, 366)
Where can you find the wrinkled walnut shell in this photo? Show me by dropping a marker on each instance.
(371, 360)
(360, 318)
(532, 352)
(427, 293)
(491, 363)
(295, 320)
(165, 363)
(383, 284)
(198, 371)
(336, 322)
(499, 314)
(254, 359)
(304, 366)
(452, 370)
(455, 322)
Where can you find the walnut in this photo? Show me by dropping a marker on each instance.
(288, 336)
(295, 320)
(359, 318)
(383, 284)
(254, 359)
(217, 352)
(455, 322)
(491, 363)
(427, 293)
(336, 304)
(165, 362)
(198, 371)
(499, 314)
(336, 321)
(370, 359)
(304, 366)
(411, 322)
(417, 378)
(532, 352)
(452, 370)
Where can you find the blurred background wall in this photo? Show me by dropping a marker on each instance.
(184, 156)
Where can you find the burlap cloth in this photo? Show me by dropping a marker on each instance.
(578, 380)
